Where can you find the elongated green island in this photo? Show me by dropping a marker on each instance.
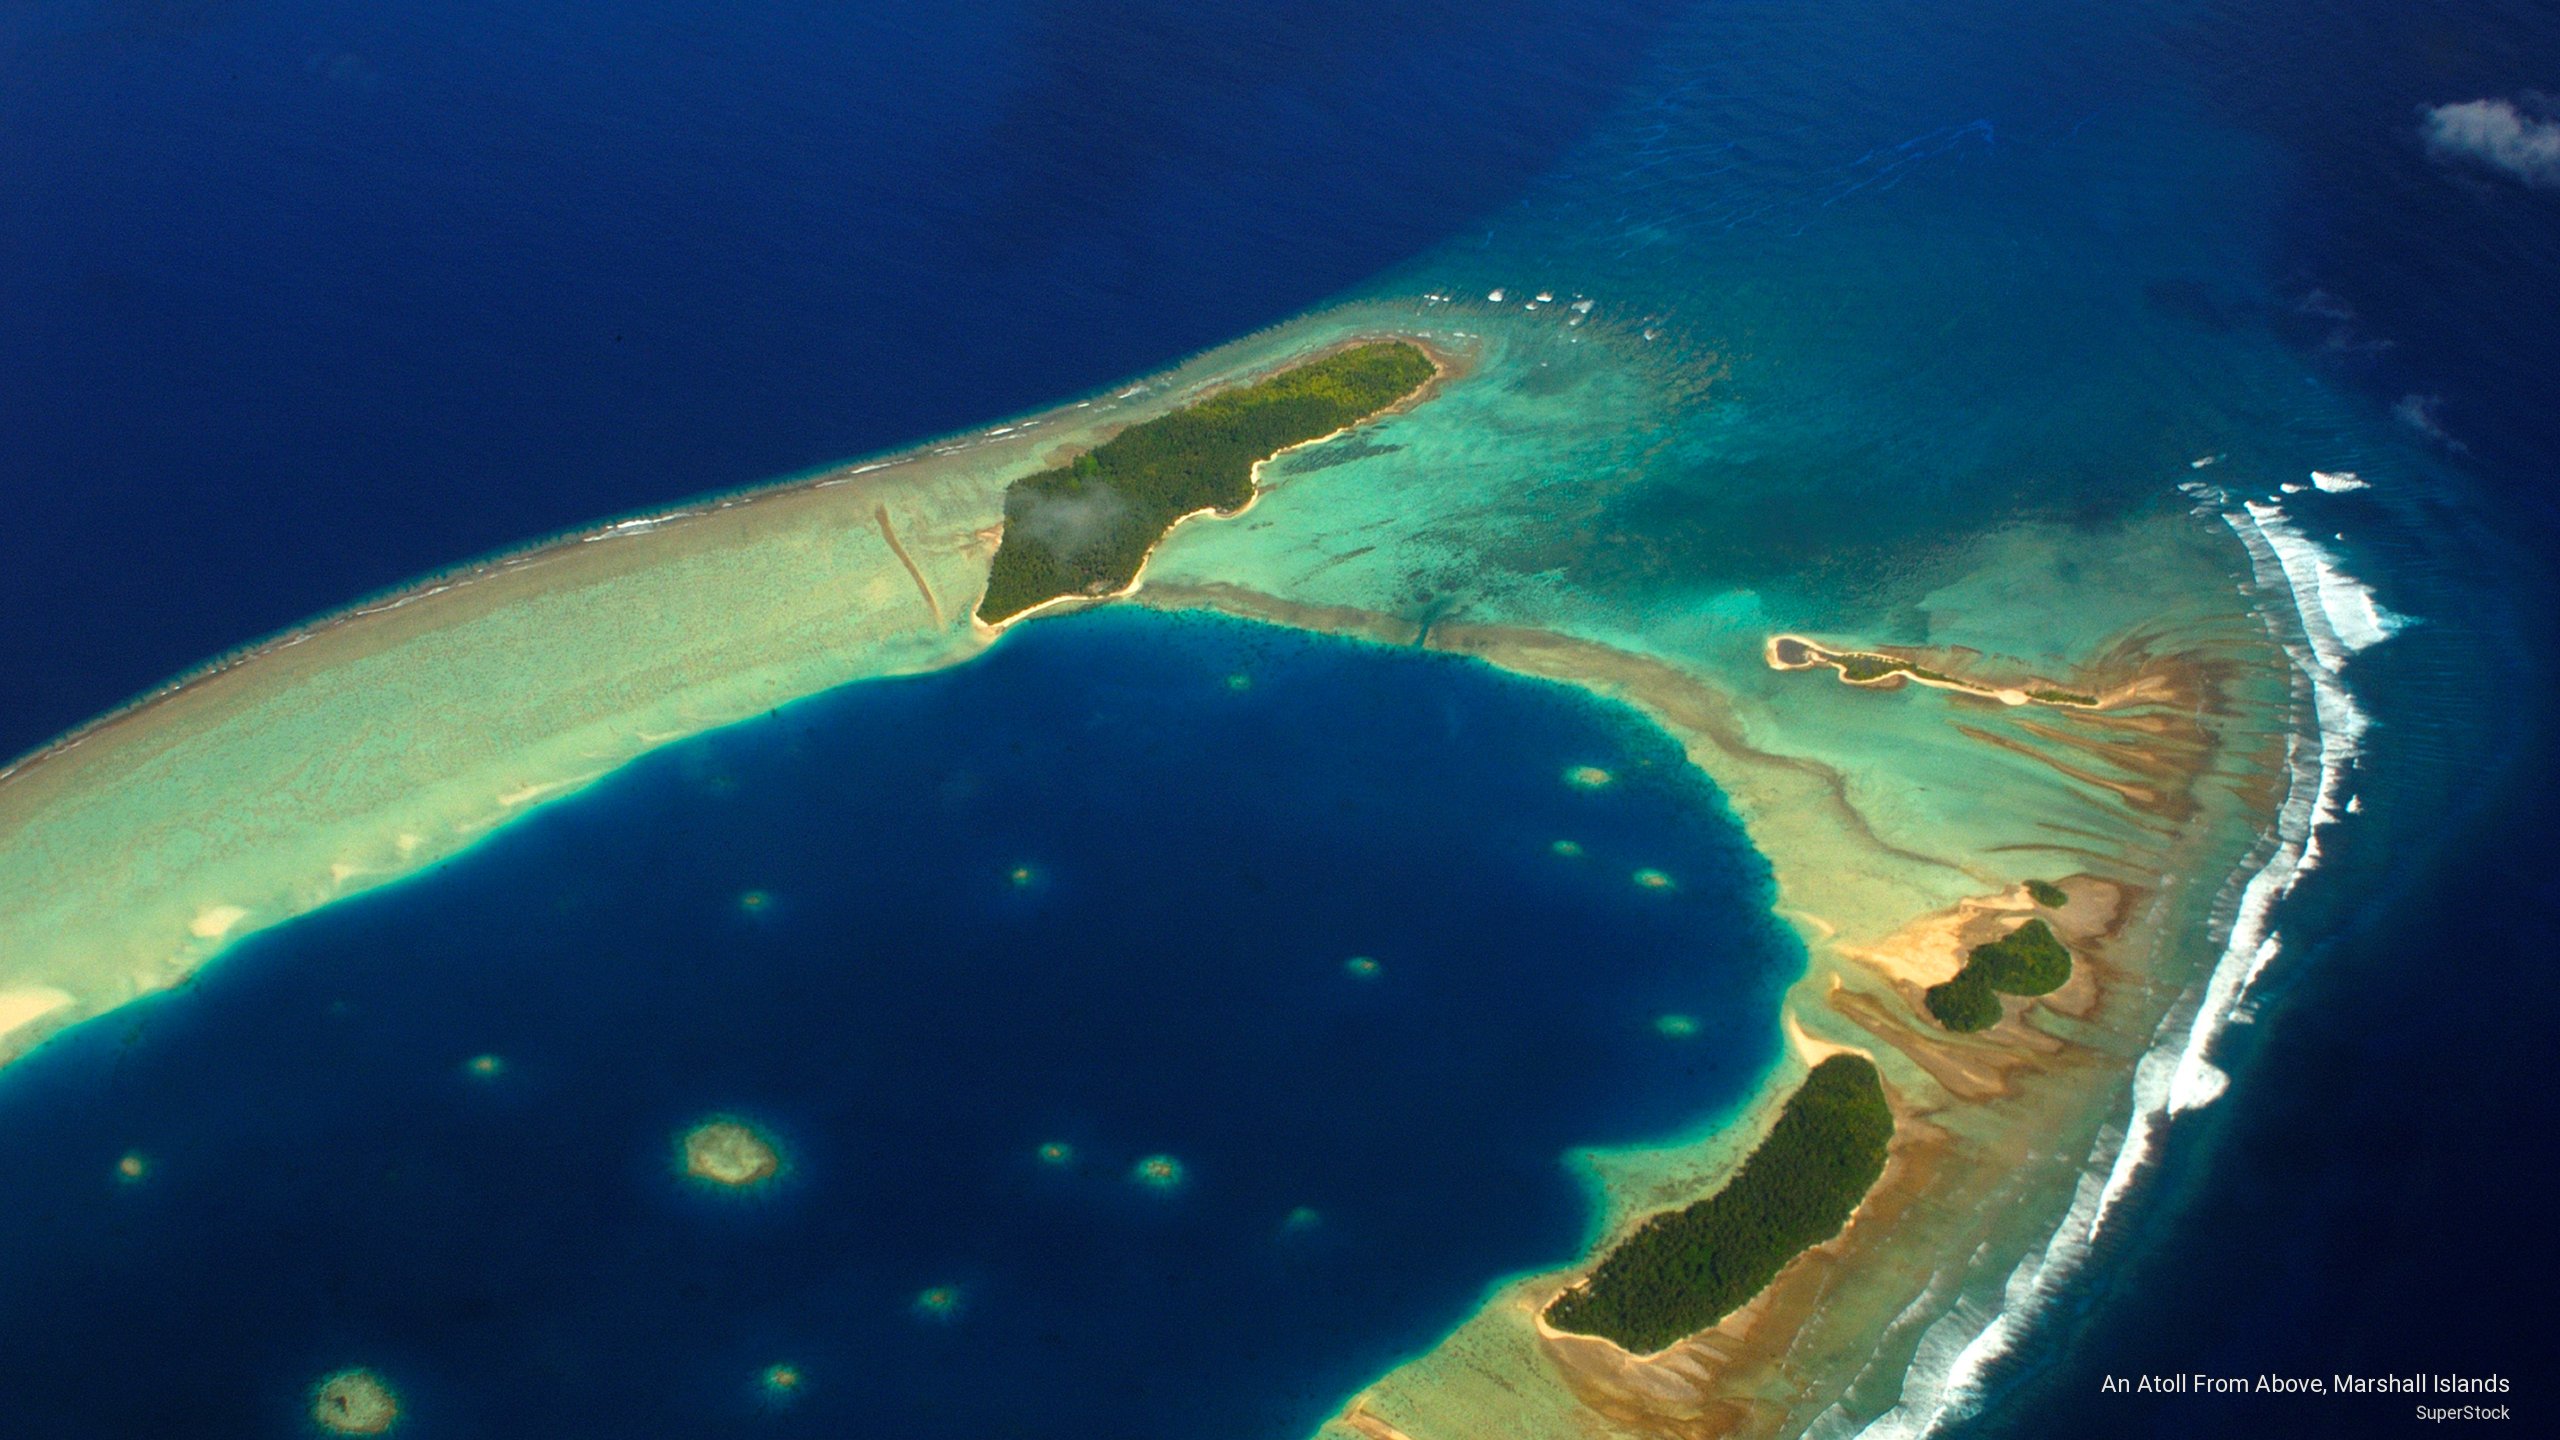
(2027, 961)
(1686, 1269)
(1085, 528)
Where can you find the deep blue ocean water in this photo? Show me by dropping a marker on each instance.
(1212, 819)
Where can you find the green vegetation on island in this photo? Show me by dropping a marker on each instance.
(1964, 1004)
(1085, 527)
(1859, 667)
(1684, 1270)
(2026, 961)
(1867, 667)
(2047, 894)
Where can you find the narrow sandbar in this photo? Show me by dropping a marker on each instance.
(1884, 669)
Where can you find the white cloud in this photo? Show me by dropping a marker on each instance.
(2420, 412)
(1071, 525)
(2497, 134)
(2425, 414)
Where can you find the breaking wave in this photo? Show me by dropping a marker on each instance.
(2332, 615)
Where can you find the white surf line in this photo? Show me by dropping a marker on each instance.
(392, 604)
(641, 526)
(2335, 615)
(864, 469)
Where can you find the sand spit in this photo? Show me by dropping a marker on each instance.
(889, 535)
(1901, 667)
(27, 1004)
(369, 744)
(2131, 673)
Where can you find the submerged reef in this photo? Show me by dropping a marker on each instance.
(2027, 961)
(1157, 1172)
(354, 1402)
(939, 1302)
(779, 1384)
(728, 1152)
(1085, 528)
(1684, 1270)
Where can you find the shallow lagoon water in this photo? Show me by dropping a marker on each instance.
(1035, 973)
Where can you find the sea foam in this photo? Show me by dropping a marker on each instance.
(2329, 616)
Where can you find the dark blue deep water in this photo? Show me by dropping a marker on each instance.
(1213, 818)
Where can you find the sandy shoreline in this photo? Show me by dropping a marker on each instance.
(1446, 365)
(1795, 652)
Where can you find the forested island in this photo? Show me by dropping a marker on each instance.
(2026, 961)
(1684, 1270)
(1084, 528)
